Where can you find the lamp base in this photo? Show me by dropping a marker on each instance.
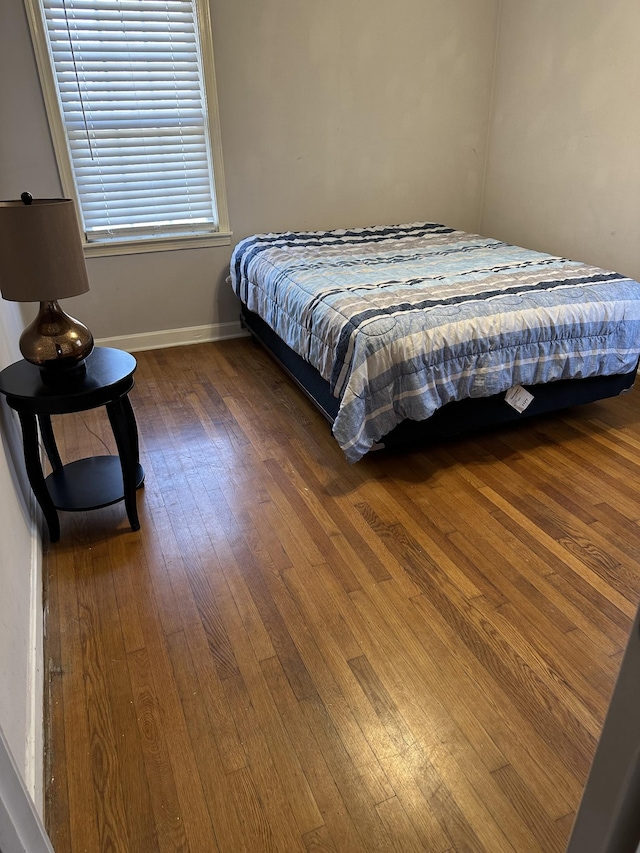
(63, 375)
(56, 343)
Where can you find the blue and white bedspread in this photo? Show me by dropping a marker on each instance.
(401, 320)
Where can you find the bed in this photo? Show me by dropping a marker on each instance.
(398, 333)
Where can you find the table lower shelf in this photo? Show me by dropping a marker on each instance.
(89, 483)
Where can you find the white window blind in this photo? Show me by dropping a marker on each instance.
(131, 92)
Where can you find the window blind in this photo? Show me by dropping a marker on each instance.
(131, 92)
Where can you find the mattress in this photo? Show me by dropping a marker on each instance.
(402, 320)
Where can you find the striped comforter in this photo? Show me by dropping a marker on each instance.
(402, 320)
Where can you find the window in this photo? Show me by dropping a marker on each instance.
(130, 93)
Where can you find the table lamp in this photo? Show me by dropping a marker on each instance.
(41, 260)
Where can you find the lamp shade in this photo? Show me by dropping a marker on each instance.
(41, 256)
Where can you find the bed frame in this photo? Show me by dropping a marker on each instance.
(453, 418)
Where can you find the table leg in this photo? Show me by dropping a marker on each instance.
(35, 475)
(127, 409)
(126, 440)
(49, 441)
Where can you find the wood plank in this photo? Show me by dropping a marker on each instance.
(334, 809)
(119, 700)
(266, 743)
(165, 803)
(319, 841)
(429, 831)
(551, 835)
(225, 820)
(293, 653)
(429, 690)
(400, 831)
(278, 809)
(364, 732)
(56, 793)
(84, 681)
(348, 778)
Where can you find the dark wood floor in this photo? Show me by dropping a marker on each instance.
(413, 653)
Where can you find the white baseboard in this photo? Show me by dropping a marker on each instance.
(21, 827)
(175, 337)
(34, 752)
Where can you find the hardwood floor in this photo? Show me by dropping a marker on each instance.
(413, 653)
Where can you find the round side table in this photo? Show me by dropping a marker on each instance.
(90, 483)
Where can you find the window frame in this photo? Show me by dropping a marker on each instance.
(135, 245)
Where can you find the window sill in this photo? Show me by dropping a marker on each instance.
(159, 244)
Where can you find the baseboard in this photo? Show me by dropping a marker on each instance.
(34, 753)
(175, 337)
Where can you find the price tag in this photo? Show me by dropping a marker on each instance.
(518, 398)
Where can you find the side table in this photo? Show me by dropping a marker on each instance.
(90, 483)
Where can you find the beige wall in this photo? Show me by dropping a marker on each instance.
(337, 114)
(564, 156)
(20, 599)
(333, 114)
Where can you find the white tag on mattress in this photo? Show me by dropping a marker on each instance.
(518, 398)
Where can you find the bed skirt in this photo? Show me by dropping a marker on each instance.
(452, 419)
